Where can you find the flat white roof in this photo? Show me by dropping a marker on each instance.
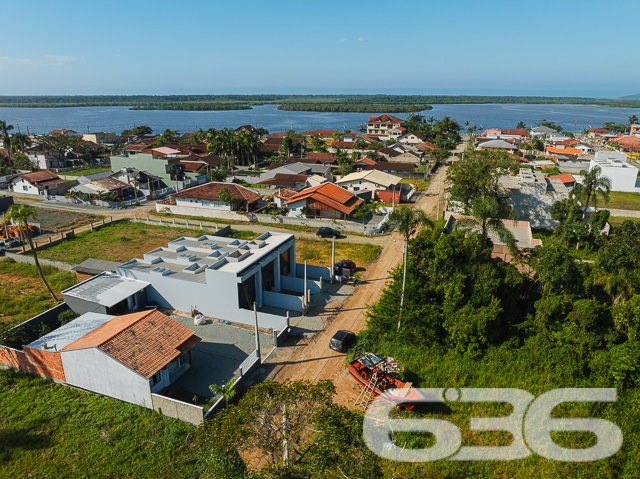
(106, 289)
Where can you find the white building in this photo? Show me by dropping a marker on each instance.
(615, 166)
(371, 180)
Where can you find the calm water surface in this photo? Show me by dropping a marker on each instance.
(43, 120)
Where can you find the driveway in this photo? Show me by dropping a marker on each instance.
(217, 358)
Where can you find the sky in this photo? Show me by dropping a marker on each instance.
(545, 47)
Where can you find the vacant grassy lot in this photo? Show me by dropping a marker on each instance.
(86, 171)
(122, 241)
(58, 220)
(22, 294)
(50, 430)
(621, 201)
(319, 251)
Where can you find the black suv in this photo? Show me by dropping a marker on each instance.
(325, 232)
(342, 340)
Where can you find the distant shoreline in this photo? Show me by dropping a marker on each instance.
(328, 103)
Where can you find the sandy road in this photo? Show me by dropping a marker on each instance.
(315, 360)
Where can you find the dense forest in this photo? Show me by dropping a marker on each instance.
(352, 103)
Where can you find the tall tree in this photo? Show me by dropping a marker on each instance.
(6, 139)
(58, 145)
(20, 214)
(593, 185)
(410, 221)
(20, 142)
(633, 119)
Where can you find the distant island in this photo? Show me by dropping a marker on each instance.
(329, 103)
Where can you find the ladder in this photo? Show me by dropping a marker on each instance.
(365, 395)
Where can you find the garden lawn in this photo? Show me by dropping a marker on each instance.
(620, 200)
(22, 293)
(123, 241)
(54, 431)
(616, 221)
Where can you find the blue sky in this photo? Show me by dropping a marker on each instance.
(457, 47)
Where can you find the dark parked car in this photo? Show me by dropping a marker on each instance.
(342, 341)
(346, 263)
(325, 232)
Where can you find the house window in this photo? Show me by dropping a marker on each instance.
(156, 378)
(25, 188)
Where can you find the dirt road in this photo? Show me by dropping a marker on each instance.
(316, 361)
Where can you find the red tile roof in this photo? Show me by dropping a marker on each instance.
(365, 161)
(426, 145)
(565, 178)
(564, 151)
(41, 178)
(385, 118)
(598, 130)
(515, 131)
(342, 144)
(146, 341)
(136, 147)
(629, 143)
(276, 135)
(322, 157)
(209, 191)
(330, 195)
(61, 131)
(192, 166)
(285, 179)
(389, 152)
(284, 194)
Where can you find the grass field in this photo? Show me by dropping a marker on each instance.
(85, 171)
(54, 431)
(622, 201)
(22, 294)
(615, 221)
(124, 241)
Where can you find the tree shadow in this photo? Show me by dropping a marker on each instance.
(16, 440)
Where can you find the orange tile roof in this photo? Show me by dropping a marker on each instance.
(146, 341)
(564, 151)
(565, 178)
(331, 195)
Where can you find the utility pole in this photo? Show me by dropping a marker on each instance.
(333, 257)
(255, 312)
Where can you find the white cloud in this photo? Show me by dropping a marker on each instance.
(60, 58)
(342, 40)
(361, 39)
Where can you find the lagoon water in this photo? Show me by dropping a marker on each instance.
(118, 118)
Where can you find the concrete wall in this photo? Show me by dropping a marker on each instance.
(341, 225)
(285, 301)
(178, 409)
(297, 284)
(22, 258)
(313, 271)
(94, 370)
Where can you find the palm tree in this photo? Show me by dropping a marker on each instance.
(488, 213)
(6, 139)
(20, 142)
(20, 215)
(593, 185)
(410, 221)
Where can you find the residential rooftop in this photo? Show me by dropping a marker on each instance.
(188, 258)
